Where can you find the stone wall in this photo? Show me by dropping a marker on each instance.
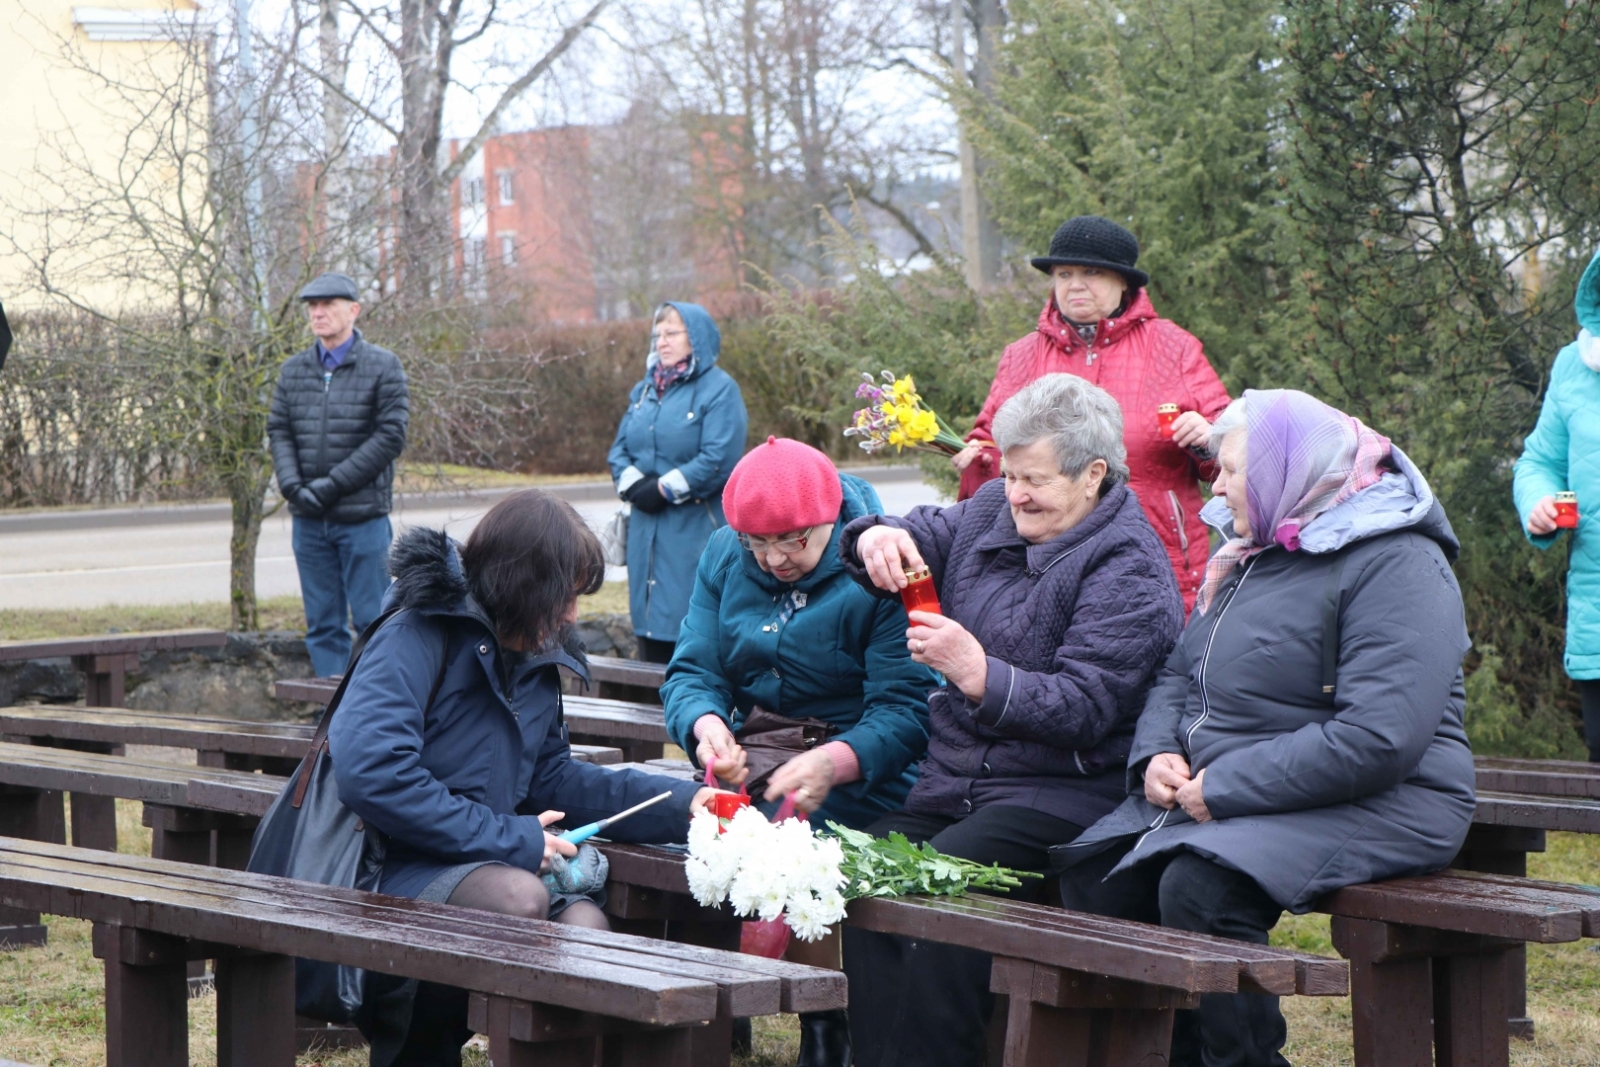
(234, 681)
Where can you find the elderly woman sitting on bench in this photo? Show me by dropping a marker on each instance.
(1306, 733)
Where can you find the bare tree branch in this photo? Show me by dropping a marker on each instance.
(516, 89)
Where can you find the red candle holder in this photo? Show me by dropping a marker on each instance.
(727, 805)
(920, 594)
(1567, 511)
(1166, 415)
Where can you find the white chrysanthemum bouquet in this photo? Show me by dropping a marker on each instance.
(767, 870)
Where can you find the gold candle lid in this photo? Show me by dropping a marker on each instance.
(1566, 497)
(1167, 409)
(921, 574)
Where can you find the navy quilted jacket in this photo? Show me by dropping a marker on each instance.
(1075, 630)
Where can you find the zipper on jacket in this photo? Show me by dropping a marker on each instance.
(1205, 658)
(322, 440)
(1177, 518)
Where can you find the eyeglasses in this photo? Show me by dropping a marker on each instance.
(788, 546)
(659, 334)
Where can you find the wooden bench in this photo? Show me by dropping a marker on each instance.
(236, 744)
(1066, 976)
(106, 659)
(1072, 980)
(639, 730)
(542, 992)
(1542, 777)
(1433, 961)
(231, 743)
(627, 679)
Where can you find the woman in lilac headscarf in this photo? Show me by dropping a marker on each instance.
(1306, 733)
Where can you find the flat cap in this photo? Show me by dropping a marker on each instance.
(331, 286)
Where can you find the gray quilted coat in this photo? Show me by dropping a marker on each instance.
(1311, 791)
(349, 426)
(1075, 630)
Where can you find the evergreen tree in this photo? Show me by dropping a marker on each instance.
(1160, 114)
(1443, 181)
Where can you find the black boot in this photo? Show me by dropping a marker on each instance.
(824, 1039)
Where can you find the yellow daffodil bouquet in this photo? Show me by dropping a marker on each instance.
(896, 418)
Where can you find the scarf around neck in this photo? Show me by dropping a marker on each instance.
(662, 376)
(1302, 458)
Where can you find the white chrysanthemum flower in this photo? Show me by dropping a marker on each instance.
(754, 884)
(703, 832)
(830, 906)
(773, 901)
(806, 918)
(705, 887)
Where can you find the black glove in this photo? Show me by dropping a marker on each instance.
(327, 491)
(308, 502)
(645, 495)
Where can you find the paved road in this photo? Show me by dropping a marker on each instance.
(187, 561)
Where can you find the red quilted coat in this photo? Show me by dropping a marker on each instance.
(1144, 361)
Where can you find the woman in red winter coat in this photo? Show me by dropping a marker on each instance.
(1099, 324)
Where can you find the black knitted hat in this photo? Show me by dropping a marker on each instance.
(1091, 241)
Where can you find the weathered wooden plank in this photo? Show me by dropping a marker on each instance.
(756, 985)
(1430, 901)
(1571, 814)
(70, 883)
(111, 644)
(117, 726)
(1545, 777)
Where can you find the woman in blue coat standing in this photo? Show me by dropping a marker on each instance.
(682, 434)
(1563, 454)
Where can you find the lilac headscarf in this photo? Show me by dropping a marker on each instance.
(1302, 458)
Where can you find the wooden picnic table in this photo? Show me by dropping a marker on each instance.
(543, 992)
(106, 659)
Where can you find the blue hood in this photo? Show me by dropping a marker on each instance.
(705, 340)
(1400, 500)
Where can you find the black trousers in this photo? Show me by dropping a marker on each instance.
(922, 1004)
(1589, 695)
(1185, 891)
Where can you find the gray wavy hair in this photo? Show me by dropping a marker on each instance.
(1081, 420)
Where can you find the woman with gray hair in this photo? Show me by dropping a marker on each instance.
(1306, 733)
(1058, 606)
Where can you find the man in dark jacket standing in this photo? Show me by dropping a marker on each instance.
(338, 424)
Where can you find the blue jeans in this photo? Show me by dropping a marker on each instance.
(343, 576)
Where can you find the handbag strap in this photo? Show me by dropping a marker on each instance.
(319, 737)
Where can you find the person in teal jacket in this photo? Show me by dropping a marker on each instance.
(1563, 454)
(777, 623)
(675, 447)
(789, 631)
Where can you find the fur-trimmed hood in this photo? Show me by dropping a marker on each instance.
(426, 567)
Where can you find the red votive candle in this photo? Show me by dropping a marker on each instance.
(727, 805)
(1166, 415)
(1567, 511)
(920, 594)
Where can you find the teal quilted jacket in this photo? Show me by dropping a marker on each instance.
(1563, 452)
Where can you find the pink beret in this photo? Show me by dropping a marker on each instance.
(781, 486)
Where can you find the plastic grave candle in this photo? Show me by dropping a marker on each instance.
(920, 595)
(725, 805)
(1166, 415)
(1567, 511)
